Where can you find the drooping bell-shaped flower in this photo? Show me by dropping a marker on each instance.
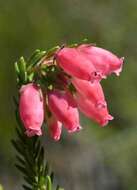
(74, 63)
(63, 107)
(99, 115)
(103, 60)
(55, 127)
(91, 91)
(31, 109)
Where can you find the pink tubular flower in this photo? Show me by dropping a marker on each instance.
(55, 127)
(100, 115)
(103, 60)
(91, 91)
(62, 105)
(76, 64)
(31, 109)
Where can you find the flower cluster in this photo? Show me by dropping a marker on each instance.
(70, 81)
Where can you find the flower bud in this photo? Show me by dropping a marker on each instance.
(103, 60)
(91, 91)
(74, 63)
(31, 109)
(100, 115)
(55, 127)
(63, 107)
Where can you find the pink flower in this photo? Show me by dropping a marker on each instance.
(74, 63)
(63, 107)
(100, 115)
(91, 91)
(55, 127)
(103, 60)
(31, 109)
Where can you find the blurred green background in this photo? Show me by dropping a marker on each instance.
(96, 158)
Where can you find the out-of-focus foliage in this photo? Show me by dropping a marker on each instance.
(95, 158)
(1, 188)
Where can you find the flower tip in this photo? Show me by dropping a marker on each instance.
(110, 117)
(104, 77)
(76, 129)
(56, 138)
(118, 71)
(79, 128)
(33, 132)
(106, 120)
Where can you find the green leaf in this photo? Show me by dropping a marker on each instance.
(32, 57)
(41, 157)
(17, 147)
(22, 64)
(46, 169)
(52, 176)
(37, 150)
(49, 183)
(38, 55)
(20, 160)
(52, 51)
(22, 70)
(17, 68)
(30, 77)
(22, 169)
(29, 180)
(22, 138)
